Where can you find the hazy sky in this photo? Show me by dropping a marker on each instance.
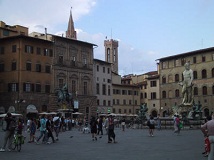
(146, 29)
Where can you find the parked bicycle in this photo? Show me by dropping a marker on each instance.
(17, 142)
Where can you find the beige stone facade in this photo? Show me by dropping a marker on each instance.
(170, 71)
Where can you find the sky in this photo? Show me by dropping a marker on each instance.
(146, 30)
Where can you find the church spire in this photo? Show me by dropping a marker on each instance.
(71, 33)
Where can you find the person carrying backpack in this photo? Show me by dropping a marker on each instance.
(56, 122)
(10, 130)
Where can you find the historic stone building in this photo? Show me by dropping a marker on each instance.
(103, 82)
(25, 70)
(170, 71)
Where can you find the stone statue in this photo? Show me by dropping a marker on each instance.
(187, 85)
(63, 94)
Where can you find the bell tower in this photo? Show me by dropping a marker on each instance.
(111, 54)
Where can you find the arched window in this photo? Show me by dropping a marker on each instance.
(204, 90)
(177, 93)
(108, 54)
(213, 72)
(163, 94)
(195, 75)
(204, 73)
(195, 91)
(177, 78)
(163, 79)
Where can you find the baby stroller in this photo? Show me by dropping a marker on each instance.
(86, 128)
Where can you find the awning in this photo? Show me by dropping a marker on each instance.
(31, 109)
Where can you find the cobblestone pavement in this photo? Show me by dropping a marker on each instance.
(133, 144)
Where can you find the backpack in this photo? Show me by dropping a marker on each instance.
(56, 122)
(12, 125)
(148, 123)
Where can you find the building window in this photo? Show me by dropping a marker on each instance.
(195, 75)
(141, 95)
(85, 88)
(212, 72)
(177, 93)
(153, 95)
(145, 95)
(113, 101)
(50, 52)
(125, 111)
(73, 85)
(1, 50)
(194, 60)
(163, 94)
(28, 66)
(109, 103)
(98, 88)
(1, 67)
(38, 51)
(153, 84)
(104, 89)
(13, 87)
(28, 49)
(38, 87)
(13, 66)
(108, 70)
(97, 68)
(109, 90)
(203, 58)
(38, 67)
(195, 91)
(183, 61)
(47, 69)
(108, 54)
(98, 102)
(28, 87)
(104, 102)
(114, 57)
(104, 69)
(177, 78)
(45, 52)
(163, 79)
(13, 48)
(124, 102)
(204, 73)
(118, 101)
(6, 33)
(213, 90)
(47, 88)
(130, 102)
(204, 90)
(60, 59)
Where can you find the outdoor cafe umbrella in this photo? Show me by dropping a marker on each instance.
(13, 114)
(77, 113)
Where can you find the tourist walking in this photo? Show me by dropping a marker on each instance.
(123, 124)
(49, 128)
(10, 130)
(32, 130)
(93, 124)
(111, 134)
(177, 124)
(56, 122)
(42, 129)
(151, 126)
(100, 126)
(208, 130)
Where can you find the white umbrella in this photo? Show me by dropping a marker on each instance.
(77, 113)
(13, 114)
